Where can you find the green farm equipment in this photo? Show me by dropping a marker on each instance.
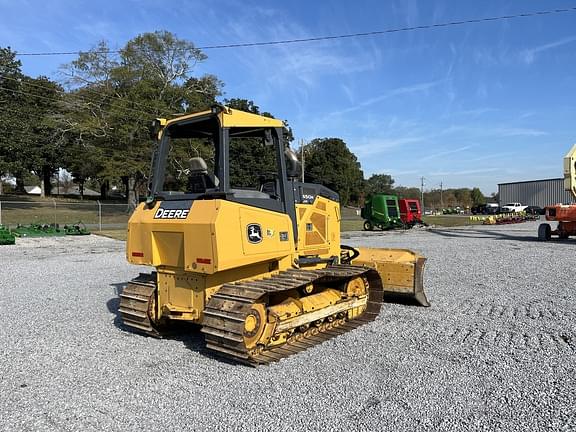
(76, 229)
(50, 230)
(381, 211)
(6, 237)
(38, 230)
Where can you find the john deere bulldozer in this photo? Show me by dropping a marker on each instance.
(259, 267)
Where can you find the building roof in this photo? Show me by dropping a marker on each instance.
(532, 181)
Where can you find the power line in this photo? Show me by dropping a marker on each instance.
(63, 101)
(31, 94)
(342, 36)
(62, 92)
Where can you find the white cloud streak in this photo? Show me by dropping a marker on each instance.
(529, 56)
(415, 88)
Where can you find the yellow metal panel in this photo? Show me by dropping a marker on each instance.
(401, 270)
(235, 118)
(212, 238)
(196, 229)
(229, 117)
(319, 228)
(271, 224)
(187, 117)
(168, 249)
(321, 300)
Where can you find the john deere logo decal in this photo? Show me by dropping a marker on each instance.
(254, 233)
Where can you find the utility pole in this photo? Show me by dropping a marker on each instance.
(422, 191)
(441, 200)
(302, 157)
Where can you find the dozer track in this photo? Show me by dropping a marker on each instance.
(227, 309)
(137, 301)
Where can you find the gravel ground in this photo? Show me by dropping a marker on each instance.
(496, 351)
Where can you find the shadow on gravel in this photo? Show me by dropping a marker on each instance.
(187, 333)
(484, 234)
(401, 300)
(114, 303)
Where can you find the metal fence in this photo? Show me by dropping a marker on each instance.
(93, 214)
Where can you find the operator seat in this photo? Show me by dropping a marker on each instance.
(199, 180)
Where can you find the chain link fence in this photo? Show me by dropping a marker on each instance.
(95, 215)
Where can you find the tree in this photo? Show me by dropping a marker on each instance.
(477, 196)
(11, 120)
(331, 163)
(28, 126)
(117, 98)
(407, 192)
(44, 151)
(379, 184)
(463, 197)
(249, 157)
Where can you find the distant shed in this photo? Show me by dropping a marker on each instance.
(537, 192)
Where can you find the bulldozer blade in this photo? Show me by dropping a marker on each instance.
(401, 271)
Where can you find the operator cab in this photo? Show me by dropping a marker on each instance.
(227, 154)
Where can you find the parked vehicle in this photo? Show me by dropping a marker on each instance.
(478, 209)
(410, 212)
(488, 208)
(381, 211)
(513, 207)
(534, 210)
(492, 208)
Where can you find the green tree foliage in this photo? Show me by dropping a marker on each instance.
(117, 97)
(462, 197)
(11, 119)
(379, 184)
(45, 151)
(477, 196)
(407, 192)
(328, 161)
(28, 123)
(251, 160)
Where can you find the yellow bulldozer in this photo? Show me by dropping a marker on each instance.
(260, 268)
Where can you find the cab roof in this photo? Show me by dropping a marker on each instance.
(229, 117)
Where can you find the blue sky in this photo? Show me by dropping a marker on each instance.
(467, 106)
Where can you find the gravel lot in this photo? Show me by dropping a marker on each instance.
(496, 351)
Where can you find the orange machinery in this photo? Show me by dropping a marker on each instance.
(564, 214)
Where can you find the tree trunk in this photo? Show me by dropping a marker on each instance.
(130, 188)
(46, 181)
(104, 188)
(132, 194)
(20, 185)
(81, 188)
(1, 187)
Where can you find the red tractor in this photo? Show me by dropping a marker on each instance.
(410, 212)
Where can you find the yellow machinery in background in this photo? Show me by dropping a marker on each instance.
(260, 268)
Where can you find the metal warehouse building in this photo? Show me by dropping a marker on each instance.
(537, 193)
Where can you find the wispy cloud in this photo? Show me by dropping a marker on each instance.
(464, 172)
(380, 145)
(299, 68)
(445, 153)
(528, 56)
(492, 131)
(415, 88)
(510, 132)
(397, 172)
